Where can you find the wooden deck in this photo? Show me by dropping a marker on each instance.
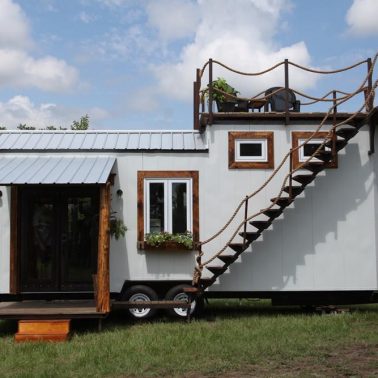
(58, 309)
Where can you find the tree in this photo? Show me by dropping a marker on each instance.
(22, 126)
(83, 124)
(2, 128)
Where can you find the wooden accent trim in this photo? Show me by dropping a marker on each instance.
(14, 286)
(168, 175)
(296, 135)
(233, 135)
(103, 280)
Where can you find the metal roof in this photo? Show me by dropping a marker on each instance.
(96, 140)
(21, 169)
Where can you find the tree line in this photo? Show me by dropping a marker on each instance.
(82, 124)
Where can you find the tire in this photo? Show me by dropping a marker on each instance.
(141, 293)
(177, 293)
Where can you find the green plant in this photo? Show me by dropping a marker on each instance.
(221, 85)
(117, 228)
(156, 239)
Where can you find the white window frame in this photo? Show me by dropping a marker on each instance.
(301, 156)
(264, 150)
(168, 202)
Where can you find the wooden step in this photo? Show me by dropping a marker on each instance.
(313, 166)
(357, 123)
(295, 190)
(227, 259)
(217, 270)
(272, 213)
(347, 133)
(43, 330)
(239, 247)
(261, 225)
(340, 144)
(304, 179)
(250, 236)
(282, 201)
(325, 156)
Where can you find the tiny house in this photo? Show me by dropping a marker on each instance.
(262, 199)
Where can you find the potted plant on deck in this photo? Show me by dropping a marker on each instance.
(220, 90)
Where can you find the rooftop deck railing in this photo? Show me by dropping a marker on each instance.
(201, 94)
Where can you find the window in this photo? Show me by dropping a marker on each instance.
(250, 150)
(168, 205)
(167, 201)
(304, 152)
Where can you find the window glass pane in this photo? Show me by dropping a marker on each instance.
(179, 208)
(156, 207)
(250, 149)
(310, 148)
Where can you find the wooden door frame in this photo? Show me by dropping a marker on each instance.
(103, 274)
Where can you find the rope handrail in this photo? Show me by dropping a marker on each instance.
(328, 72)
(337, 102)
(308, 69)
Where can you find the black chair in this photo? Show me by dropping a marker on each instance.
(278, 100)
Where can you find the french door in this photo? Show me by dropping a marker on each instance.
(59, 238)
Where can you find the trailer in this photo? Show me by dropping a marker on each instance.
(261, 199)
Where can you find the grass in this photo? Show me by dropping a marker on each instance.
(232, 339)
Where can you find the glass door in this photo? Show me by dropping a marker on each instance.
(59, 232)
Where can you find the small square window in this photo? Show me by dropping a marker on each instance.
(250, 150)
(302, 154)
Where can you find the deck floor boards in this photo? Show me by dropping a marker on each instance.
(38, 309)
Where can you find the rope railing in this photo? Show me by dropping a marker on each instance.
(331, 133)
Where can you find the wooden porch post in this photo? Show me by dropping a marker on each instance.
(14, 258)
(103, 280)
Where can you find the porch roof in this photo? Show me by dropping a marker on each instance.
(57, 169)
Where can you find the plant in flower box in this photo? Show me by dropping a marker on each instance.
(166, 240)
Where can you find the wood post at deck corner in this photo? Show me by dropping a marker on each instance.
(103, 279)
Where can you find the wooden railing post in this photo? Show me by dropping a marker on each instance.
(370, 103)
(287, 118)
(334, 122)
(210, 91)
(245, 221)
(196, 101)
(291, 175)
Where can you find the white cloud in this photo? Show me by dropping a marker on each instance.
(14, 27)
(240, 34)
(86, 17)
(174, 19)
(362, 17)
(17, 66)
(20, 109)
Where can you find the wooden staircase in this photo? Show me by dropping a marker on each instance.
(307, 174)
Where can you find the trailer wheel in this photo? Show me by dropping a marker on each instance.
(177, 293)
(141, 293)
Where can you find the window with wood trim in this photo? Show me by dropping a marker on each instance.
(168, 202)
(303, 153)
(250, 150)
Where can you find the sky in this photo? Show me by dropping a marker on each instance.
(130, 64)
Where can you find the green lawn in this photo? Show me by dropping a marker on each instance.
(231, 340)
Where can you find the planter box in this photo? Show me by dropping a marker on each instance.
(165, 246)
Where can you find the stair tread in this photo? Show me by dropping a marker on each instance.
(250, 236)
(282, 201)
(295, 190)
(261, 225)
(304, 179)
(272, 213)
(347, 133)
(340, 144)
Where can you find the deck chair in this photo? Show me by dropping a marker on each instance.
(278, 100)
